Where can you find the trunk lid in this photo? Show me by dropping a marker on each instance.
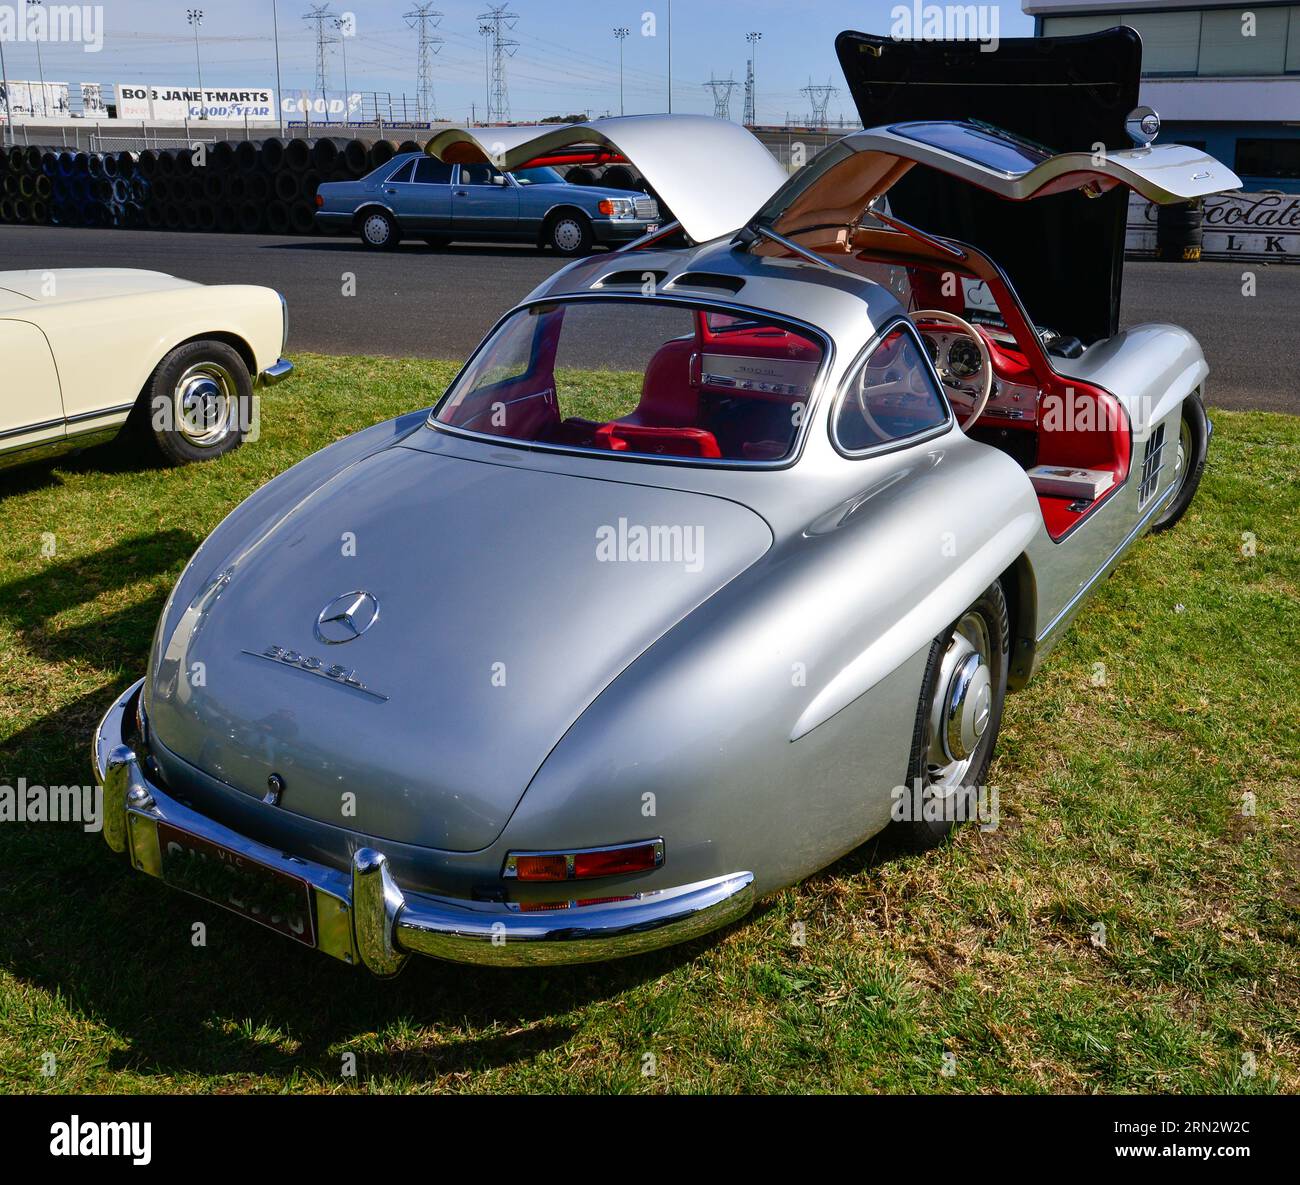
(498, 622)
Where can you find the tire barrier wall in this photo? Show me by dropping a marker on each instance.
(247, 186)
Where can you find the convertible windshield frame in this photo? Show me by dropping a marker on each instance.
(815, 401)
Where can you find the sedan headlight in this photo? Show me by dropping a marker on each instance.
(617, 207)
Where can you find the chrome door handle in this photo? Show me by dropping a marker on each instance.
(462, 193)
(390, 191)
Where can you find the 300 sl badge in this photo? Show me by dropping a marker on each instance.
(335, 673)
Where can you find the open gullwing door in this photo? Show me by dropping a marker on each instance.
(962, 134)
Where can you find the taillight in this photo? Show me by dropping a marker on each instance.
(320, 202)
(644, 855)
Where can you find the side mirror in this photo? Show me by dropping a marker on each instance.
(498, 179)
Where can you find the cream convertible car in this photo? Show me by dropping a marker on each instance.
(708, 552)
(87, 350)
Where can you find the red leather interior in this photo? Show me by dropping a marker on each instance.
(670, 442)
(1078, 425)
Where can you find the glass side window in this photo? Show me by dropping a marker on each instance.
(477, 174)
(401, 175)
(431, 171)
(640, 378)
(542, 175)
(893, 395)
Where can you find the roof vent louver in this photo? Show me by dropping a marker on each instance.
(713, 280)
(637, 278)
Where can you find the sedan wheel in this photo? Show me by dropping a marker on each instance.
(957, 722)
(571, 235)
(379, 232)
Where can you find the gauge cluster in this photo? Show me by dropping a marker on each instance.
(957, 358)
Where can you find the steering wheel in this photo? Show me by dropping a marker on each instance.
(982, 379)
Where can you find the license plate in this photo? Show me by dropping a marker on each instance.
(238, 883)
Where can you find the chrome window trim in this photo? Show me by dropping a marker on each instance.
(796, 449)
(889, 446)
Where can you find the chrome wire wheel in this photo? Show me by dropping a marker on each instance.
(204, 402)
(376, 230)
(961, 708)
(568, 234)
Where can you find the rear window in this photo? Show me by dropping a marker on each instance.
(640, 378)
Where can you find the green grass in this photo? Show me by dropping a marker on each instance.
(1121, 804)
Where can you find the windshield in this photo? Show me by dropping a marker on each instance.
(640, 378)
(539, 176)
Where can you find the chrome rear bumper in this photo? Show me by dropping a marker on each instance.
(363, 916)
(277, 372)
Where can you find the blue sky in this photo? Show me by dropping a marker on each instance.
(567, 58)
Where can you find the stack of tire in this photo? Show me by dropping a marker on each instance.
(245, 185)
(1178, 232)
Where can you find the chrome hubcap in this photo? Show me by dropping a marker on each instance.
(376, 229)
(961, 708)
(568, 235)
(204, 401)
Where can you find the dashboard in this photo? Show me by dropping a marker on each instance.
(957, 360)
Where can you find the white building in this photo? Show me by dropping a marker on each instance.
(1224, 78)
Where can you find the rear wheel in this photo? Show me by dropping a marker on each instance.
(570, 234)
(957, 722)
(199, 402)
(1189, 460)
(379, 230)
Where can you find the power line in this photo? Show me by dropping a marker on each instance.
(494, 24)
(424, 20)
(721, 88)
(751, 94)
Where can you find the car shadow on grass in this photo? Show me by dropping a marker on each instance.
(118, 456)
(121, 951)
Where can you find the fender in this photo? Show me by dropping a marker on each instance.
(1150, 369)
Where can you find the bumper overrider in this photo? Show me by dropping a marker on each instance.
(364, 916)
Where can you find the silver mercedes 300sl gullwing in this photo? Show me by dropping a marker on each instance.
(714, 545)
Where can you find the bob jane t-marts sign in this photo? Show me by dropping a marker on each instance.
(232, 104)
(1255, 226)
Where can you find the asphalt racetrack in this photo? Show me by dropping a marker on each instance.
(422, 302)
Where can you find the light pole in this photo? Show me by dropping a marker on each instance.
(279, 88)
(343, 24)
(753, 39)
(4, 79)
(622, 34)
(670, 57)
(40, 69)
(195, 18)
